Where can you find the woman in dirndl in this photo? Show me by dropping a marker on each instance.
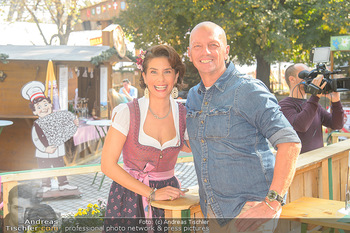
(149, 132)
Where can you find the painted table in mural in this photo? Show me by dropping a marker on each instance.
(4, 123)
(100, 125)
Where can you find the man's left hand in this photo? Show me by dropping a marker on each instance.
(334, 96)
(256, 216)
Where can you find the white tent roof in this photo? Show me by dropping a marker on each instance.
(55, 53)
(22, 33)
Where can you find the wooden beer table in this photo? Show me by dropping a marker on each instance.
(185, 208)
(316, 211)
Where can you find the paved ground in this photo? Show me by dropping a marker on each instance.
(90, 193)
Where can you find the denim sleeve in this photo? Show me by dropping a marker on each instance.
(283, 136)
(260, 108)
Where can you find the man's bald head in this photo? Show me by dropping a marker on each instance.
(208, 25)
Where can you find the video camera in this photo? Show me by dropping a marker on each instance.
(321, 55)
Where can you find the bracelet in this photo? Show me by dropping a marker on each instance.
(152, 195)
(269, 206)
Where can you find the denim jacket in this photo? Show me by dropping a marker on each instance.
(228, 127)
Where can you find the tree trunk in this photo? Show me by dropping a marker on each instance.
(263, 70)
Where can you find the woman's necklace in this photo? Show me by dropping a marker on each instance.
(157, 117)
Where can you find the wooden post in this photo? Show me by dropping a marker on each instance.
(7, 186)
(325, 183)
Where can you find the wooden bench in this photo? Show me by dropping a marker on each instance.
(316, 211)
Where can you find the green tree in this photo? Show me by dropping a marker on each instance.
(160, 21)
(258, 33)
(314, 22)
(257, 30)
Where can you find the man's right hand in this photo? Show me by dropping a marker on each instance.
(334, 97)
(50, 149)
(317, 82)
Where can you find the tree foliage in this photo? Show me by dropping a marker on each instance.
(257, 30)
(314, 22)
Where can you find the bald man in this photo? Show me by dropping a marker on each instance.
(230, 119)
(306, 115)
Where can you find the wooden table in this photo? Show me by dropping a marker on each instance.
(316, 211)
(101, 124)
(185, 208)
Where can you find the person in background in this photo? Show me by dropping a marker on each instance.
(306, 115)
(20, 199)
(41, 216)
(150, 132)
(129, 91)
(230, 119)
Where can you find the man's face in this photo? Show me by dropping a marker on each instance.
(125, 84)
(17, 210)
(299, 68)
(208, 50)
(43, 108)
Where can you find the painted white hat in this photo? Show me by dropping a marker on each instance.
(33, 90)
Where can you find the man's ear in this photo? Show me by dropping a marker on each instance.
(227, 52)
(292, 79)
(189, 53)
(35, 113)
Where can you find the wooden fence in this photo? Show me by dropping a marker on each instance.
(11, 179)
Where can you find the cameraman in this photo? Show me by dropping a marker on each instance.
(308, 116)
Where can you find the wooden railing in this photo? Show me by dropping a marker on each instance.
(335, 136)
(11, 179)
(320, 173)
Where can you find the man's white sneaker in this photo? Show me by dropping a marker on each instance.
(45, 189)
(68, 187)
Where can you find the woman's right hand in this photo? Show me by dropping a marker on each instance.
(167, 193)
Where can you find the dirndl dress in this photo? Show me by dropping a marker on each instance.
(125, 211)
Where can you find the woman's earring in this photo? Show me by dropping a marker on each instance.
(174, 92)
(146, 92)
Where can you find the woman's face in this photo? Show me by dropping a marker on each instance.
(160, 77)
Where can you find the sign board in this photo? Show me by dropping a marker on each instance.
(96, 41)
(103, 11)
(340, 43)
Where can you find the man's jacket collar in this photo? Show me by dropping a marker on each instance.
(221, 83)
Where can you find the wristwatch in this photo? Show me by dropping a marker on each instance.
(272, 195)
